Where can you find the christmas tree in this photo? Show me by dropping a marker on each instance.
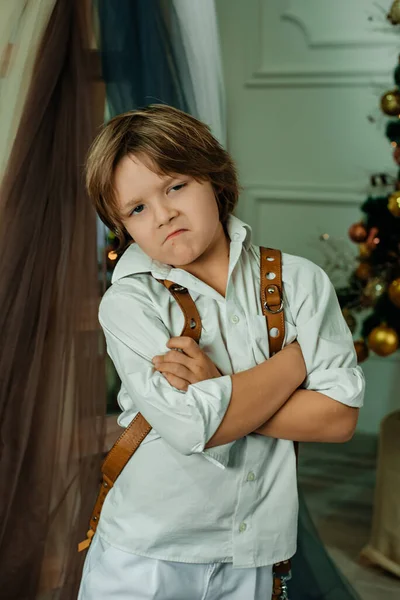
(375, 283)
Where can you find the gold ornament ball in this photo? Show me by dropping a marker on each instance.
(358, 232)
(363, 271)
(394, 13)
(390, 103)
(350, 319)
(362, 351)
(383, 340)
(394, 204)
(394, 292)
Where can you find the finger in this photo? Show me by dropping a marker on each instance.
(177, 370)
(185, 343)
(177, 382)
(174, 357)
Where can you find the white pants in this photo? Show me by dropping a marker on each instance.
(110, 574)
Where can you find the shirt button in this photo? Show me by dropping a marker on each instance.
(251, 476)
(235, 319)
(242, 527)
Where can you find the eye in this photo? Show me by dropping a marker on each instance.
(135, 209)
(178, 187)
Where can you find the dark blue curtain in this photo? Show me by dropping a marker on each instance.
(138, 59)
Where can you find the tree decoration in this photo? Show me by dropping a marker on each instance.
(358, 232)
(394, 203)
(394, 292)
(362, 350)
(372, 239)
(394, 13)
(374, 289)
(370, 296)
(383, 340)
(390, 103)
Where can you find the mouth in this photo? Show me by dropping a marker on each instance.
(175, 233)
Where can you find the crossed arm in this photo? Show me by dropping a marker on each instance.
(265, 399)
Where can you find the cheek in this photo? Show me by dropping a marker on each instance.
(207, 211)
(131, 231)
(139, 234)
(211, 219)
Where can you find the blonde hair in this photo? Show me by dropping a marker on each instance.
(175, 142)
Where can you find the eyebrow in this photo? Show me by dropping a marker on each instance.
(133, 201)
(130, 204)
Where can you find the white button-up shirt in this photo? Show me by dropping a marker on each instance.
(235, 503)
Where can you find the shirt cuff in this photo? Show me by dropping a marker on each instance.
(212, 397)
(344, 384)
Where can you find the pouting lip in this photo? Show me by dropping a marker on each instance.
(172, 233)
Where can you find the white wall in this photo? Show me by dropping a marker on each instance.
(302, 76)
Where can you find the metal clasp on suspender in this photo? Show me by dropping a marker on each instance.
(273, 312)
(271, 289)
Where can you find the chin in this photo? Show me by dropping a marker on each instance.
(183, 258)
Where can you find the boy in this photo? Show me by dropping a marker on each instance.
(208, 502)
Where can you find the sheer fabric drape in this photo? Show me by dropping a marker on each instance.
(196, 30)
(52, 387)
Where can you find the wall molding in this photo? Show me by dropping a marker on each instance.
(307, 192)
(300, 13)
(297, 194)
(297, 74)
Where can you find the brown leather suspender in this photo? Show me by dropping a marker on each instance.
(271, 297)
(131, 438)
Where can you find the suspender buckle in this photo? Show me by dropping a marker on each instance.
(271, 310)
(178, 288)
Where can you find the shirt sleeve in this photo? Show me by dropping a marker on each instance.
(134, 335)
(325, 339)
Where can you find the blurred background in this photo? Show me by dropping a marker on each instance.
(305, 96)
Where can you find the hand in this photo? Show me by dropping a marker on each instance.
(190, 365)
(296, 357)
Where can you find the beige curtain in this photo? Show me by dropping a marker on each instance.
(22, 23)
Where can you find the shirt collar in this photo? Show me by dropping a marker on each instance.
(134, 260)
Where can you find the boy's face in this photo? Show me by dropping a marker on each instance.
(153, 206)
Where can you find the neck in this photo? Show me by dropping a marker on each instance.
(212, 266)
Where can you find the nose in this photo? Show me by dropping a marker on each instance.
(164, 212)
